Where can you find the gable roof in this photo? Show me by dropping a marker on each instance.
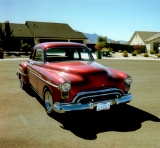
(153, 37)
(18, 30)
(144, 35)
(53, 30)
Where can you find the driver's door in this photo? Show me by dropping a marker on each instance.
(35, 62)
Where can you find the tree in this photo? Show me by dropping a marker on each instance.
(1, 42)
(2, 37)
(8, 36)
(137, 48)
(101, 43)
(26, 47)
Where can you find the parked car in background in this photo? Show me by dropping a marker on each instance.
(67, 78)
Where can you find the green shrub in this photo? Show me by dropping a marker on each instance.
(120, 51)
(146, 55)
(152, 51)
(125, 54)
(26, 47)
(105, 49)
(134, 53)
(112, 51)
(158, 55)
(1, 49)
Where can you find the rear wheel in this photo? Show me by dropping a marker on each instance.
(48, 100)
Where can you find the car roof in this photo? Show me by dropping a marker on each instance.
(47, 45)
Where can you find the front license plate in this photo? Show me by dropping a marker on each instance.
(103, 106)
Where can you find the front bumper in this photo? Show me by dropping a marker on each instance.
(63, 107)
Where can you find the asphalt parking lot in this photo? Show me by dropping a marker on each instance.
(24, 122)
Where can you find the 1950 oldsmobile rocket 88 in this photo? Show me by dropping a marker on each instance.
(67, 78)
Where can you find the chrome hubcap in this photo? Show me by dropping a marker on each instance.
(48, 101)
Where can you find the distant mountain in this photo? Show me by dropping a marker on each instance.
(92, 38)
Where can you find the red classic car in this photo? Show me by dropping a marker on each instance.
(67, 78)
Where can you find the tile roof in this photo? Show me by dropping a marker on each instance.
(18, 30)
(53, 30)
(153, 37)
(144, 35)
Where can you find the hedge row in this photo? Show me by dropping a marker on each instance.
(116, 47)
(123, 47)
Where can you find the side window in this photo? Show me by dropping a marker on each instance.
(32, 54)
(39, 55)
(76, 54)
(82, 53)
(86, 54)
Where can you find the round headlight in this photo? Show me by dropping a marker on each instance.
(128, 80)
(65, 87)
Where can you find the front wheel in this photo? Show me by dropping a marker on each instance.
(48, 100)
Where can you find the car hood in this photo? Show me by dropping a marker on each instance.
(85, 74)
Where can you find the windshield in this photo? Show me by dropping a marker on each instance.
(68, 53)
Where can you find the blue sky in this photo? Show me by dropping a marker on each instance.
(116, 19)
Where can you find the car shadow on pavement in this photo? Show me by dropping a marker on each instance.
(87, 124)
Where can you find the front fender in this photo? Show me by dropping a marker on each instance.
(22, 72)
(119, 78)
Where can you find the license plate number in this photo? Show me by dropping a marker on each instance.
(103, 106)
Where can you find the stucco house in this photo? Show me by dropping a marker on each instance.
(150, 39)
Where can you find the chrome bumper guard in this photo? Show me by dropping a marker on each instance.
(63, 107)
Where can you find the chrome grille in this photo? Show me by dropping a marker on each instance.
(97, 95)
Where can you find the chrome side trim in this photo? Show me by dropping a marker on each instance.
(49, 83)
(22, 73)
(63, 107)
